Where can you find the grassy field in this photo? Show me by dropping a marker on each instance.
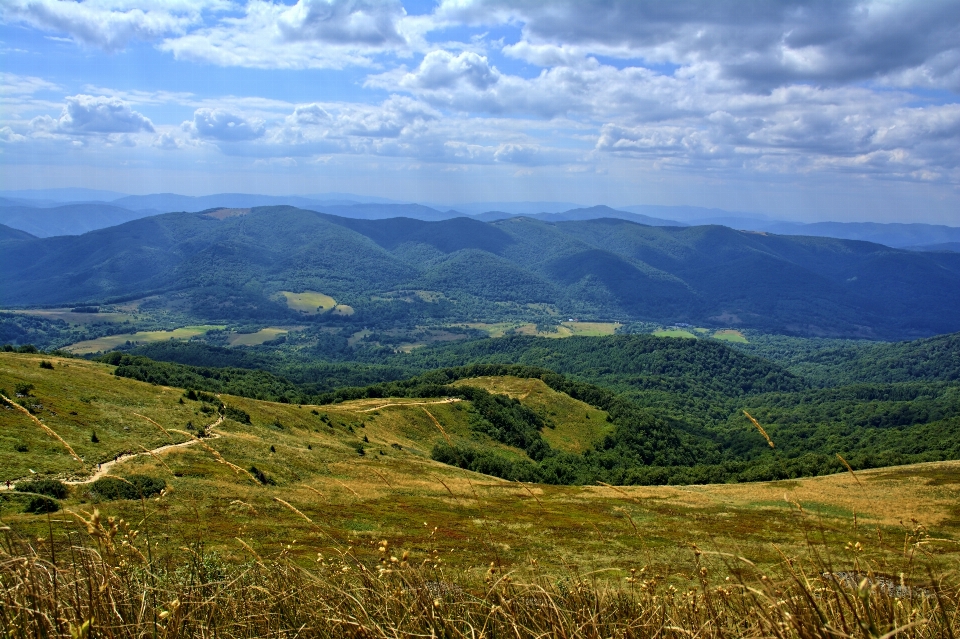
(330, 508)
(309, 302)
(142, 337)
(730, 335)
(255, 339)
(564, 329)
(675, 332)
(70, 317)
(578, 425)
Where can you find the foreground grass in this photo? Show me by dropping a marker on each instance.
(103, 579)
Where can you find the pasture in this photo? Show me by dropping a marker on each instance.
(142, 337)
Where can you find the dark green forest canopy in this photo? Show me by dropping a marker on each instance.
(605, 269)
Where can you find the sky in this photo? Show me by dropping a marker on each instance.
(845, 110)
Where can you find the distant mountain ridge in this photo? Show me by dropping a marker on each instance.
(99, 214)
(603, 268)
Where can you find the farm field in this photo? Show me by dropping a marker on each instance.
(309, 302)
(70, 317)
(112, 341)
(563, 329)
(674, 332)
(257, 338)
(730, 335)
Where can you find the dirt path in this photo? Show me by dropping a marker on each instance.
(104, 468)
(449, 400)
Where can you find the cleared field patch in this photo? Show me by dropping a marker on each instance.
(592, 329)
(70, 317)
(675, 332)
(730, 335)
(309, 302)
(255, 339)
(578, 425)
(142, 337)
(342, 309)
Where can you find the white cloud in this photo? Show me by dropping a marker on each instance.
(13, 84)
(86, 114)
(444, 70)
(223, 126)
(104, 24)
(309, 34)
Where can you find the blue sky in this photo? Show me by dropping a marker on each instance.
(807, 110)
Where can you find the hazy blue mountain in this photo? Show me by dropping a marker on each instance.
(589, 213)
(944, 246)
(63, 195)
(384, 211)
(893, 234)
(511, 208)
(68, 219)
(170, 202)
(603, 268)
(8, 233)
(350, 198)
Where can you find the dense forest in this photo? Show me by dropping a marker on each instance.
(233, 268)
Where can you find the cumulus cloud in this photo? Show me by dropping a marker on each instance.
(309, 34)
(343, 22)
(763, 45)
(87, 114)
(106, 24)
(222, 125)
(443, 70)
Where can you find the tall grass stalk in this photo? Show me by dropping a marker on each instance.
(99, 580)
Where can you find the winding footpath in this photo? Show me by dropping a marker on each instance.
(104, 468)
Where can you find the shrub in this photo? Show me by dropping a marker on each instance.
(49, 487)
(45, 364)
(237, 415)
(262, 477)
(27, 348)
(20, 447)
(133, 487)
(38, 505)
(93, 437)
(22, 388)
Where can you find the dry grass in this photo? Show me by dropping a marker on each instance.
(100, 577)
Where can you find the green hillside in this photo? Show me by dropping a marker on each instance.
(520, 269)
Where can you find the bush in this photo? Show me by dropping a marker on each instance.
(38, 505)
(22, 388)
(20, 447)
(237, 415)
(49, 487)
(262, 477)
(45, 364)
(133, 487)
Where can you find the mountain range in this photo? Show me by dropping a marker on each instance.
(52, 212)
(234, 263)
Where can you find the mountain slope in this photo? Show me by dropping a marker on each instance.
(8, 233)
(604, 269)
(69, 219)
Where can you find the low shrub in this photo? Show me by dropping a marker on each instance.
(237, 415)
(262, 477)
(49, 487)
(132, 487)
(39, 505)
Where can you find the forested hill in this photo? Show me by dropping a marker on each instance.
(234, 266)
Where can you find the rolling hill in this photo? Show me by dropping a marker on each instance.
(604, 268)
